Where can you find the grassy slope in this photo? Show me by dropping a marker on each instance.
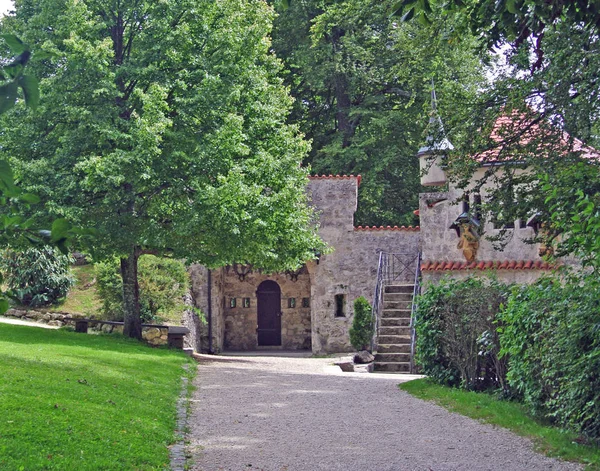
(85, 402)
(510, 415)
(83, 297)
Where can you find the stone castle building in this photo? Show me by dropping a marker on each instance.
(312, 308)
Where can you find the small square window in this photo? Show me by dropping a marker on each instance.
(246, 302)
(305, 302)
(340, 305)
(291, 302)
(232, 302)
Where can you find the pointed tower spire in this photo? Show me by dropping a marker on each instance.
(436, 147)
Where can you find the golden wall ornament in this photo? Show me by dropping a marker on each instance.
(467, 229)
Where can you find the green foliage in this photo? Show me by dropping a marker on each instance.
(12, 76)
(163, 283)
(110, 289)
(37, 277)
(86, 402)
(457, 344)
(515, 21)
(362, 85)
(191, 154)
(574, 211)
(551, 336)
(361, 331)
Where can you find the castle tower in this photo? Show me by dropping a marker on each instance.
(433, 154)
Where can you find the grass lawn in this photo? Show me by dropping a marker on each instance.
(85, 402)
(510, 415)
(83, 297)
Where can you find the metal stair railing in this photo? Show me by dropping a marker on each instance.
(392, 267)
(378, 300)
(413, 313)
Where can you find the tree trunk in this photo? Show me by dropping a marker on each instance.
(345, 125)
(131, 295)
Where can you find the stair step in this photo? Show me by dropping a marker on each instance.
(394, 321)
(392, 358)
(393, 348)
(392, 367)
(397, 296)
(387, 313)
(396, 304)
(394, 339)
(394, 330)
(405, 288)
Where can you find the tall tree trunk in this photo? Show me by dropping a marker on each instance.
(345, 125)
(131, 295)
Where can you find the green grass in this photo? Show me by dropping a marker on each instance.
(85, 402)
(83, 297)
(510, 415)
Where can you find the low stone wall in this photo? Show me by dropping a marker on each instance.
(152, 335)
(41, 316)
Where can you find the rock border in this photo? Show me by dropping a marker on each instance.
(177, 450)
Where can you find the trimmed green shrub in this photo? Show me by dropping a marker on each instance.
(361, 331)
(457, 342)
(162, 281)
(37, 277)
(551, 336)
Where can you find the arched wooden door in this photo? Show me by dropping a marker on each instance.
(268, 313)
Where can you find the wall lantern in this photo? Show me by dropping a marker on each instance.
(242, 270)
(293, 274)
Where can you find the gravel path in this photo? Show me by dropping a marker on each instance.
(303, 414)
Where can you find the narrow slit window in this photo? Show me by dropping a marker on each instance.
(246, 302)
(291, 302)
(305, 302)
(340, 305)
(232, 302)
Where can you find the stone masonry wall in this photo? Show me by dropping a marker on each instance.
(198, 337)
(440, 242)
(351, 269)
(241, 322)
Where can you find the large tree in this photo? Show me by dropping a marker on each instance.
(162, 124)
(362, 85)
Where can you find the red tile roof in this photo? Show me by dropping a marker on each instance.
(524, 125)
(387, 228)
(429, 265)
(331, 177)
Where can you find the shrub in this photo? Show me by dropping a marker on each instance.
(457, 342)
(110, 289)
(163, 282)
(361, 331)
(37, 277)
(551, 335)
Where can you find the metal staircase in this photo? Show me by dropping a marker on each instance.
(394, 309)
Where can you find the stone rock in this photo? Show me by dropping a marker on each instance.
(79, 258)
(151, 334)
(346, 366)
(363, 357)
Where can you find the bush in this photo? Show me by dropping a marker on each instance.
(163, 282)
(37, 277)
(457, 342)
(361, 331)
(551, 335)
